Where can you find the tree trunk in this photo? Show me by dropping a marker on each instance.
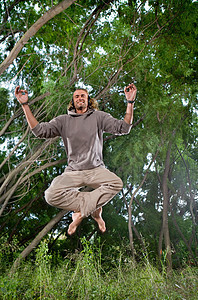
(131, 232)
(165, 209)
(38, 238)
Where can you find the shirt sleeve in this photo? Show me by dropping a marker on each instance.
(113, 125)
(48, 129)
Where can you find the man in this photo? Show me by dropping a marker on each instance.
(82, 133)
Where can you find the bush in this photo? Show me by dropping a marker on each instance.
(81, 276)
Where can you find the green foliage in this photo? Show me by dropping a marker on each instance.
(81, 276)
(150, 43)
(9, 251)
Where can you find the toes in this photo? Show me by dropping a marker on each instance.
(101, 224)
(76, 217)
(102, 228)
(71, 229)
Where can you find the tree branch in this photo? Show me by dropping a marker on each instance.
(32, 31)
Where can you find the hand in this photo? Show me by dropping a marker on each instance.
(130, 92)
(21, 95)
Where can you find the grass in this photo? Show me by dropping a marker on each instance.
(84, 276)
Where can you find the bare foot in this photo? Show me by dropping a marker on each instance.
(101, 224)
(77, 219)
(97, 216)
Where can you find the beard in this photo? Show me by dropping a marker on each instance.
(81, 106)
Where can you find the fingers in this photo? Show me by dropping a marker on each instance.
(19, 92)
(21, 95)
(130, 92)
(131, 86)
(24, 92)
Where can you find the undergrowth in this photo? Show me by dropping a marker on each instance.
(84, 276)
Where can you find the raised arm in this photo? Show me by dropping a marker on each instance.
(130, 93)
(22, 97)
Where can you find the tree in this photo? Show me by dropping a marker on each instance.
(104, 45)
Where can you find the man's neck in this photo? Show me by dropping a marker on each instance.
(81, 111)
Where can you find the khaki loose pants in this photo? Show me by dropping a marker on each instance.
(64, 190)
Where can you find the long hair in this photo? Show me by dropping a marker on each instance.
(92, 102)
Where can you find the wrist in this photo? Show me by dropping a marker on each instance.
(24, 103)
(130, 101)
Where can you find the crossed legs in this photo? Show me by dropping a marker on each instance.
(64, 193)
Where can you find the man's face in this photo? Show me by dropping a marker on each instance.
(80, 98)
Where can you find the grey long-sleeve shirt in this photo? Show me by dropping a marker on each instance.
(82, 135)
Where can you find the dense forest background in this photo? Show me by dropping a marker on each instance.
(52, 47)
